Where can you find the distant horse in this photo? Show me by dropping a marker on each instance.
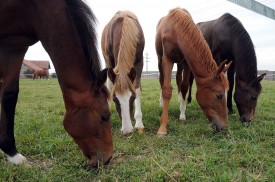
(178, 40)
(40, 74)
(122, 46)
(66, 31)
(229, 40)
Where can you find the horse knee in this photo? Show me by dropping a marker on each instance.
(167, 92)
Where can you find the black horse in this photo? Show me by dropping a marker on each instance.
(228, 39)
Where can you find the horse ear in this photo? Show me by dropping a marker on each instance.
(132, 74)
(220, 69)
(102, 78)
(227, 67)
(259, 78)
(111, 75)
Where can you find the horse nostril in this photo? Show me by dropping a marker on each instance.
(105, 118)
(244, 119)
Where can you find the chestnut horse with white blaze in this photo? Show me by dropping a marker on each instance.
(122, 46)
(178, 40)
(66, 31)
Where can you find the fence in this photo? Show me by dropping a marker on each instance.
(270, 75)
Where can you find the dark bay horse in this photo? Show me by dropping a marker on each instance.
(178, 40)
(66, 31)
(228, 39)
(40, 74)
(122, 46)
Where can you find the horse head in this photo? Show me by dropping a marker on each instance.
(246, 96)
(123, 94)
(89, 123)
(212, 97)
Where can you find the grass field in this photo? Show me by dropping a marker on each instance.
(191, 152)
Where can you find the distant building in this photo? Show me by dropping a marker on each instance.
(28, 67)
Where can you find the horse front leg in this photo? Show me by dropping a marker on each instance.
(230, 77)
(9, 94)
(167, 66)
(191, 80)
(184, 89)
(138, 114)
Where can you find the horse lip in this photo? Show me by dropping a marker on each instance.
(97, 159)
(108, 160)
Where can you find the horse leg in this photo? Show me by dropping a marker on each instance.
(184, 89)
(167, 64)
(161, 79)
(138, 114)
(230, 77)
(191, 79)
(9, 94)
(179, 83)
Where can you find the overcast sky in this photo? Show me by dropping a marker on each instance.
(260, 28)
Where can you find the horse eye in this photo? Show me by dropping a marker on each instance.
(219, 96)
(254, 98)
(105, 118)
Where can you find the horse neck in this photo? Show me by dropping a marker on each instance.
(63, 45)
(198, 56)
(245, 60)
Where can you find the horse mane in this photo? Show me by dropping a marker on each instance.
(243, 45)
(182, 20)
(127, 49)
(85, 21)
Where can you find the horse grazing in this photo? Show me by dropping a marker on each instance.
(40, 74)
(178, 40)
(229, 40)
(66, 31)
(122, 46)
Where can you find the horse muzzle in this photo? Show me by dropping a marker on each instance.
(246, 118)
(218, 125)
(99, 159)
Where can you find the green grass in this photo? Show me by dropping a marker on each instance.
(191, 152)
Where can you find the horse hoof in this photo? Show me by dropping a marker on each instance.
(162, 133)
(140, 130)
(182, 118)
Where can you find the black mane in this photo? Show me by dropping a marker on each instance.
(85, 22)
(243, 45)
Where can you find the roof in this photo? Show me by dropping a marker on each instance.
(37, 65)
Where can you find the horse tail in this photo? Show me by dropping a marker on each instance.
(128, 41)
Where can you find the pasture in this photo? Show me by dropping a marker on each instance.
(192, 151)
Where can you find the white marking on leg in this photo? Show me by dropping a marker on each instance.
(182, 107)
(160, 99)
(17, 159)
(124, 99)
(138, 113)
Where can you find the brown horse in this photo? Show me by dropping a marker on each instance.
(122, 46)
(178, 40)
(40, 74)
(66, 31)
(228, 39)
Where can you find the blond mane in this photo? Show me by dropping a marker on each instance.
(182, 20)
(127, 50)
